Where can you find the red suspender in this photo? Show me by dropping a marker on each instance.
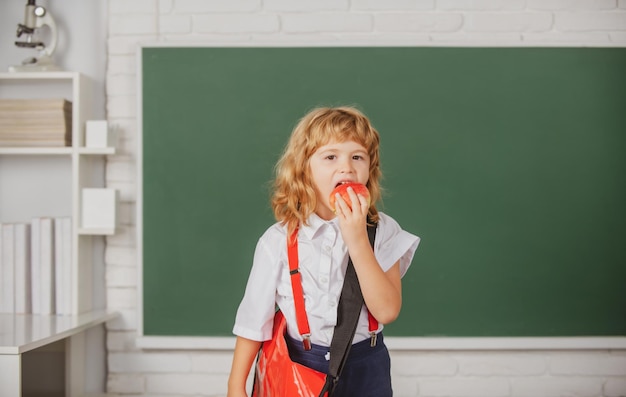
(298, 296)
(296, 287)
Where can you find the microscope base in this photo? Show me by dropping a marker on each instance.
(42, 64)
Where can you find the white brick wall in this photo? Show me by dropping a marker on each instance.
(541, 373)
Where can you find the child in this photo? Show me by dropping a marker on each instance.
(329, 146)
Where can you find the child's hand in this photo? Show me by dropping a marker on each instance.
(353, 217)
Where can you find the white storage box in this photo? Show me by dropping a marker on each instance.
(99, 135)
(99, 209)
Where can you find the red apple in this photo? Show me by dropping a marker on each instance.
(342, 189)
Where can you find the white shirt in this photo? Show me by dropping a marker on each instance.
(323, 258)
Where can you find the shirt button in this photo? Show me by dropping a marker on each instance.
(324, 280)
(332, 303)
(327, 248)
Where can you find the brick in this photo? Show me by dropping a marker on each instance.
(128, 190)
(403, 385)
(126, 128)
(124, 234)
(556, 387)
(175, 24)
(127, 384)
(571, 39)
(126, 44)
(121, 64)
(464, 39)
(508, 22)
(121, 276)
(571, 4)
(121, 168)
(588, 364)
(327, 23)
(212, 362)
(300, 39)
(120, 256)
(125, 298)
(126, 321)
(305, 6)
(614, 387)
(482, 5)
(585, 21)
(423, 364)
(464, 387)
(123, 106)
(501, 363)
(125, 146)
(165, 6)
(117, 7)
(141, 362)
(187, 384)
(618, 37)
(418, 22)
(119, 341)
(213, 6)
(392, 5)
(235, 23)
(215, 38)
(388, 39)
(132, 24)
(125, 237)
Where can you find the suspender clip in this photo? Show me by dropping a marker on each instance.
(373, 338)
(306, 341)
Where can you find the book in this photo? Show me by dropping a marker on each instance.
(42, 265)
(46, 263)
(7, 267)
(9, 105)
(68, 274)
(40, 114)
(63, 265)
(35, 122)
(35, 265)
(2, 276)
(22, 268)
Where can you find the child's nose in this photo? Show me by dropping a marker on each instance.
(346, 166)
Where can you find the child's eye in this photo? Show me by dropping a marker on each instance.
(331, 157)
(357, 157)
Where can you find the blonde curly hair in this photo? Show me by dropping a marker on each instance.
(294, 198)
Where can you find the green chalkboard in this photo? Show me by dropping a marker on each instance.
(509, 163)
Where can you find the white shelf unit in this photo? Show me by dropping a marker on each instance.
(47, 181)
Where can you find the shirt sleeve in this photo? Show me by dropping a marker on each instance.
(255, 315)
(394, 244)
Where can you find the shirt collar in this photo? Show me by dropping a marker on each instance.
(315, 224)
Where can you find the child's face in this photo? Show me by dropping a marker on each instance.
(334, 163)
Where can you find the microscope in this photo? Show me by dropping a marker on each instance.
(36, 17)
